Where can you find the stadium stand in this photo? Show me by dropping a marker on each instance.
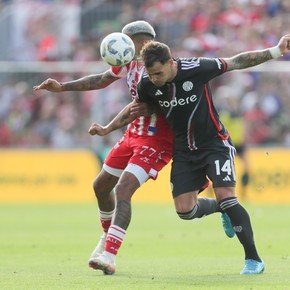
(192, 28)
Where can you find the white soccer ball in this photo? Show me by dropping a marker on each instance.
(117, 49)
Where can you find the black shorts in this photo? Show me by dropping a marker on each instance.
(191, 170)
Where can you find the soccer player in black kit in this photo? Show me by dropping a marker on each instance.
(202, 147)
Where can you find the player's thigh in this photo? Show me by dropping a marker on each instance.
(187, 176)
(149, 157)
(118, 157)
(221, 169)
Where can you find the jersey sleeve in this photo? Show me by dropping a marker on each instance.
(211, 67)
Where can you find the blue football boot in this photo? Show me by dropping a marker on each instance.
(227, 225)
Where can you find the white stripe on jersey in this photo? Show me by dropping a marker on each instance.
(152, 124)
(191, 143)
(141, 125)
(232, 152)
(186, 64)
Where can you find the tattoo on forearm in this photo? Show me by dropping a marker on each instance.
(120, 120)
(83, 84)
(92, 82)
(123, 214)
(249, 59)
(124, 120)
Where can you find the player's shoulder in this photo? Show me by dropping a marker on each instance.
(201, 63)
(195, 62)
(145, 81)
(186, 63)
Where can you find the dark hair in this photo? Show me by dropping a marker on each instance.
(154, 51)
(142, 36)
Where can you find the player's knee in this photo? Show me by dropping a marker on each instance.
(97, 186)
(104, 184)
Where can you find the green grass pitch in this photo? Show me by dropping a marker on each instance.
(47, 247)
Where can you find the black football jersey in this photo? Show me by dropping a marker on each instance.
(187, 102)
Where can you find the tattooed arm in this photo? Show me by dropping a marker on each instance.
(252, 58)
(91, 82)
(125, 117)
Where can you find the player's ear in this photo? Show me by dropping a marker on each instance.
(171, 62)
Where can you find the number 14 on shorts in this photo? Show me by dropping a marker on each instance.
(226, 167)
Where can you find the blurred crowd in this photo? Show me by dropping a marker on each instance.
(210, 28)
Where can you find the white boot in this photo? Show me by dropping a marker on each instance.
(99, 249)
(104, 262)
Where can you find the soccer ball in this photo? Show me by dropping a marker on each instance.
(117, 49)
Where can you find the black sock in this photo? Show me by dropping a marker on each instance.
(205, 206)
(208, 206)
(242, 225)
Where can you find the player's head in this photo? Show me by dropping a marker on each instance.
(158, 62)
(140, 31)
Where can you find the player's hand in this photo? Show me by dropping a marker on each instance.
(140, 109)
(97, 129)
(284, 44)
(51, 85)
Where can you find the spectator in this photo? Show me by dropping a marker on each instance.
(192, 28)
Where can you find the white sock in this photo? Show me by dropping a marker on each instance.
(110, 256)
(106, 215)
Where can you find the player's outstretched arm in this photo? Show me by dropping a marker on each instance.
(252, 58)
(125, 117)
(91, 82)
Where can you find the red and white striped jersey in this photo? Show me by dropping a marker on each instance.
(142, 126)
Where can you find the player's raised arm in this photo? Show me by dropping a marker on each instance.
(91, 82)
(124, 117)
(252, 58)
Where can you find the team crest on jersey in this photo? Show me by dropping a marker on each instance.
(187, 86)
